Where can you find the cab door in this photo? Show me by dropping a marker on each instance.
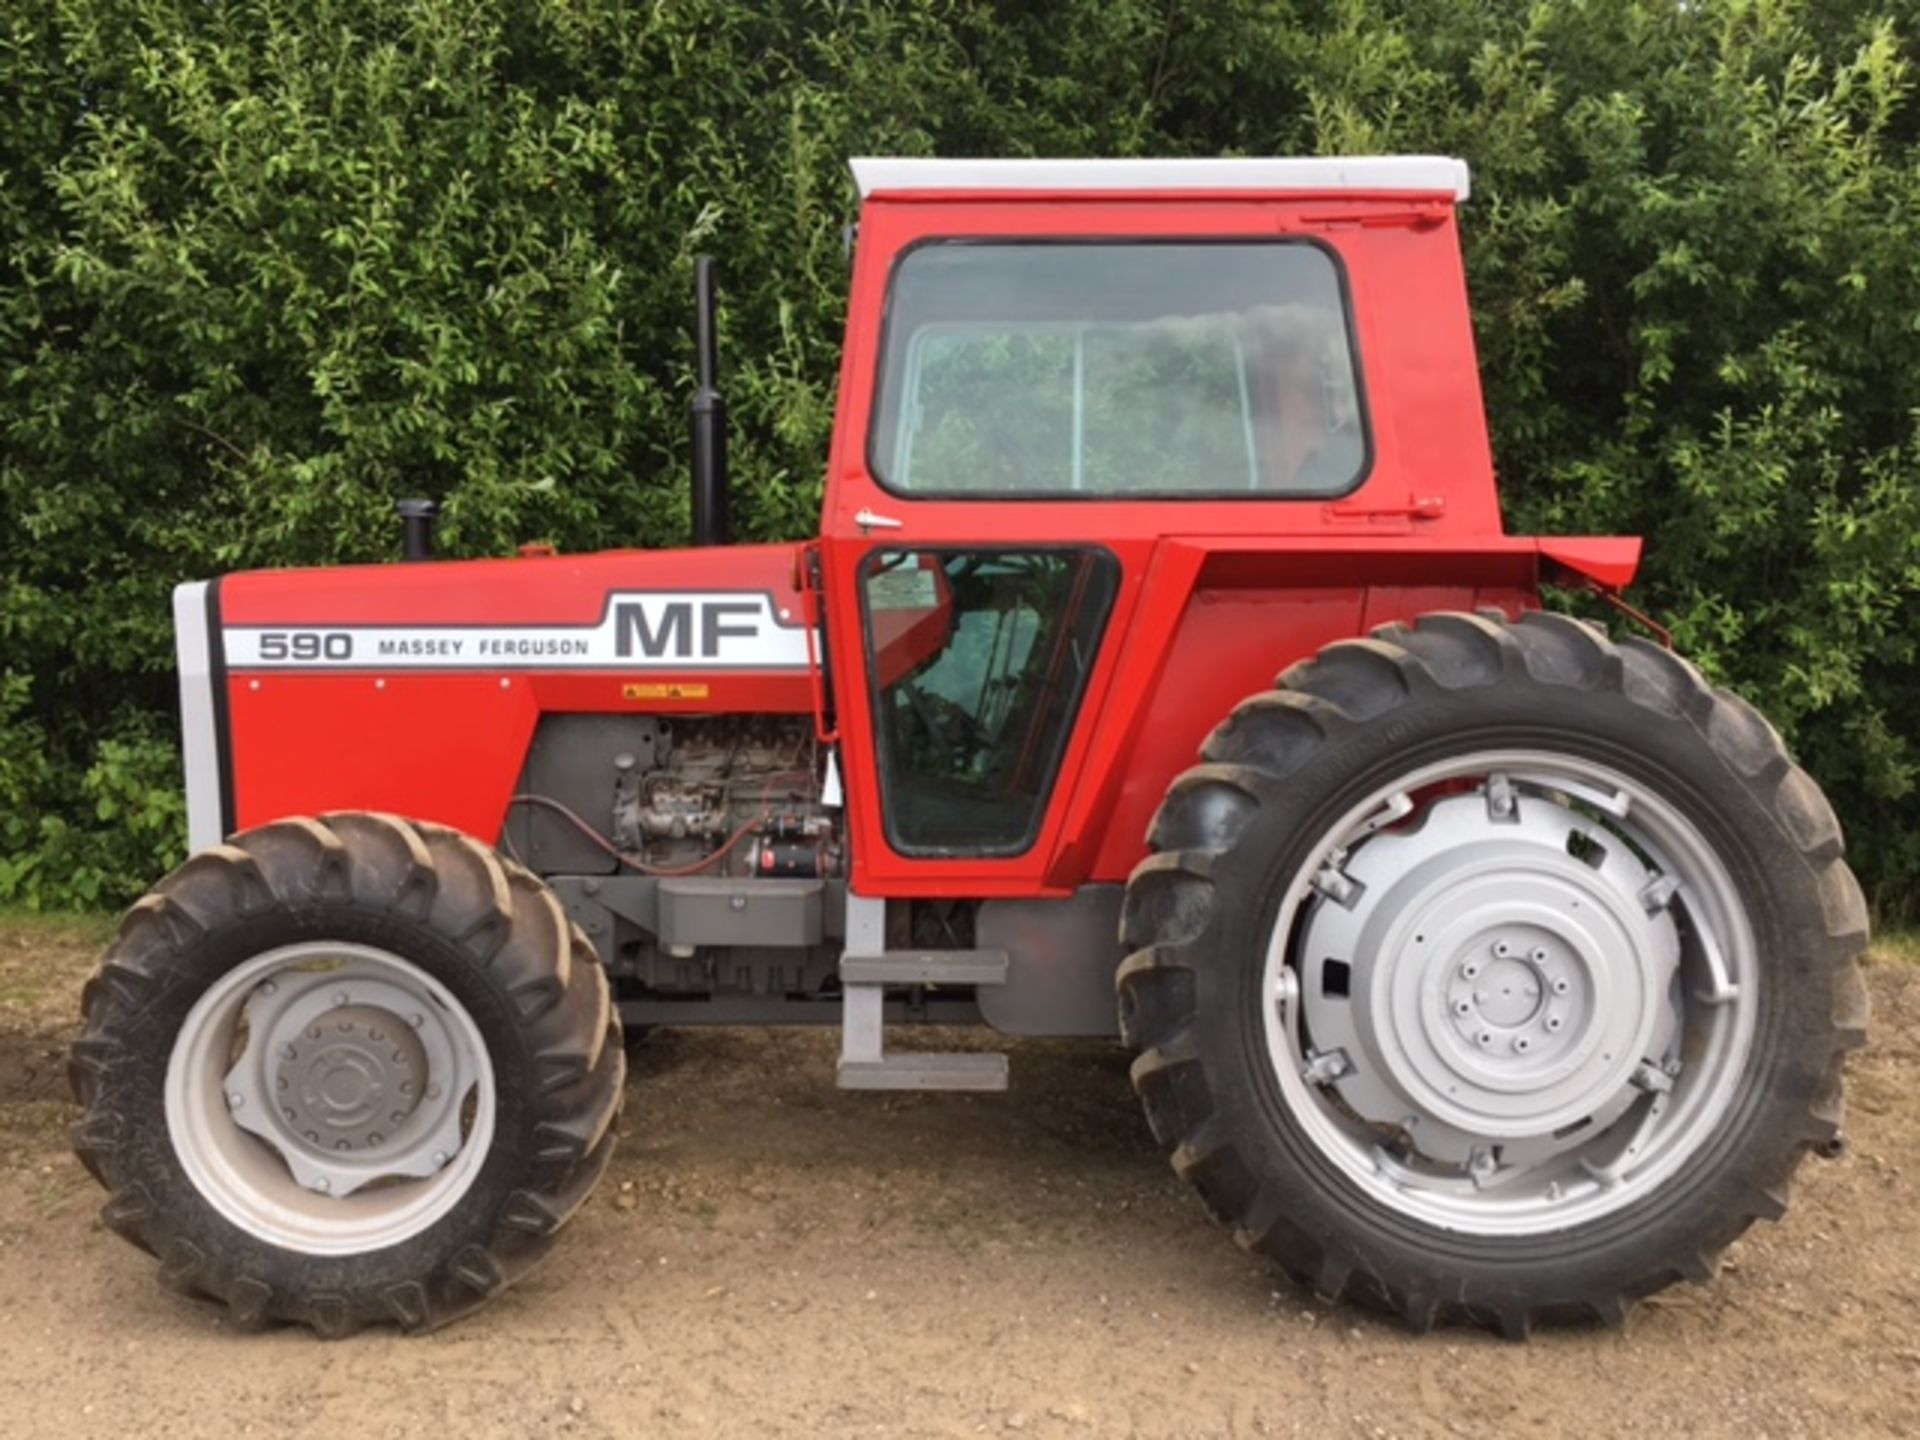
(977, 659)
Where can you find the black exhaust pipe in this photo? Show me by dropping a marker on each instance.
(416, 521)
(710, 522)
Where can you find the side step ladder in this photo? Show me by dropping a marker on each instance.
(867, 968)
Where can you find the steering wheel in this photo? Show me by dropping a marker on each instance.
(954, 735)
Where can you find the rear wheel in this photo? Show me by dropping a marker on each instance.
(347, 1070)
(1492, 971)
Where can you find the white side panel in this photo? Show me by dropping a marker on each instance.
(1422, 173)
(198, 746)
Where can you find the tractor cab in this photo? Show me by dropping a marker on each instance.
(1085, 402)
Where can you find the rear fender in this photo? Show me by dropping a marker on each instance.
(1606, 562)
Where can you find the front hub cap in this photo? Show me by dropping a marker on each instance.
(352, 1080)
(330, 1097)
(1483, 984)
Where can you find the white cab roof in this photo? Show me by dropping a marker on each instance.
(1424, 173)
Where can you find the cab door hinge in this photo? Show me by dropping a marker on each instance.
(813, 610)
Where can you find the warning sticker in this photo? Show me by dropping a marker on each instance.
(665, 691)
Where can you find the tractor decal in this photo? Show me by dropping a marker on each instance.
(729, 630)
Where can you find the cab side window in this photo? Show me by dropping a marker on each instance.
(1119, 370)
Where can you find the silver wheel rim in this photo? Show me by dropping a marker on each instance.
(1510, 992)
(330, 1098)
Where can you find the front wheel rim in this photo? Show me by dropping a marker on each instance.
(330, 1098)
(1510, 992)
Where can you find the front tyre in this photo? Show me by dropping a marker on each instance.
(347, 1070)
(1493, 971)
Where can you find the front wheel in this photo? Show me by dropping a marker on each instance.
(347, 1070)
(1493, 971)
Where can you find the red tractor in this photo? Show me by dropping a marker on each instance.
(1479, 967)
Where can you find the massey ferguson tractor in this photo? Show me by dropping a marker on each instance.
(1479, 967)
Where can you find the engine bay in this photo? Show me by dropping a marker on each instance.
(675, 796)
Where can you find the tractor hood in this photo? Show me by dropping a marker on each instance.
(362, 673)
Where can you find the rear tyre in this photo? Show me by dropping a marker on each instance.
(1493, 972)
(346, 1071)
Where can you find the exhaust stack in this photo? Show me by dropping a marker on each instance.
(417, 519)
(710, 521)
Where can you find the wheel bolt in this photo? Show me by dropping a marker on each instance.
(1523, 1044)
(322, 1184)
(1554, 1022)
(416, 1021)
(1485, 1037)
(235, 1099)
(267, 987)
(339, 997)
(1470, 969)
(433, 1092)
(1561, 985)
(287, 1052)
(1502, 949)
(1463, 1007)
(1539, 955)
(439, 1157)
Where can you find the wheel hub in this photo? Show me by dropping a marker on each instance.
(350, 1077)
(350, 1080)
(1503, 978)
(1503, 994)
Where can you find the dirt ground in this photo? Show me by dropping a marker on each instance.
(770, 1256)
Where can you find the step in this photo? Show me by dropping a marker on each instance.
(926, 967)
(867, 968)
(907, 1070)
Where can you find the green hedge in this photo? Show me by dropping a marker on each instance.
(264, 267)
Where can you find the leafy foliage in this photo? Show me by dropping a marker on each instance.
(264, 268)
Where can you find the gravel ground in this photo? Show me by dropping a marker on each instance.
(770, 1256)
